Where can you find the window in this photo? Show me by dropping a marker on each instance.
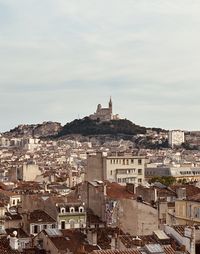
(53, 226)
(13, 202)
(81, 209)
(35, 229)
(139, 180)
(139, 162)
(63, 224)
(62, 210)
(132, 161)
(72, 210)
(110, 172)
(44, 226)
(139, 171)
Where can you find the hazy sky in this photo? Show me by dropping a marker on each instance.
(60, 58)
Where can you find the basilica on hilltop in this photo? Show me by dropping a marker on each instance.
(104, 114)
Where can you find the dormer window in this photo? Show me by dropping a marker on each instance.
(72, 210)
(81, 209)
(62, 210)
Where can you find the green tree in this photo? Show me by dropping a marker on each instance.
(165, 180)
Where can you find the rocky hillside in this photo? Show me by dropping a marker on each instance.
(35, 130)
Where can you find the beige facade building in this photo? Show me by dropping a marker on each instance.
(28, 172)
(176, 138)
(119, 168)
(187, 212)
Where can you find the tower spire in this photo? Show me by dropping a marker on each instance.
(110, 104)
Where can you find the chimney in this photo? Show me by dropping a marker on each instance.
(181, 193)
(14, 241)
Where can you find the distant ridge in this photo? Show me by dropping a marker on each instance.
(84, 127)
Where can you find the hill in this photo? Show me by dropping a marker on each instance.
(34, 130)
(87, 127)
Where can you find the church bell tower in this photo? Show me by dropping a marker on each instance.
(110, 105)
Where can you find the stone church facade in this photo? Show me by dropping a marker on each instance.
(104, 114)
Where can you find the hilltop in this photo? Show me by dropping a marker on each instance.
(87, 126)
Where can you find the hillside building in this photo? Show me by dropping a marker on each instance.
(104, 114)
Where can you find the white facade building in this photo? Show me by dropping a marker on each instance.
(176, 137)
(119, 168)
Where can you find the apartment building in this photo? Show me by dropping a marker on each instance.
(118, 168)
(180, 172)
(176, 138)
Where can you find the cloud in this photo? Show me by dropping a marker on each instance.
(144, 53)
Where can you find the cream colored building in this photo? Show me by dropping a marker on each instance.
(119, 168)
(180, 172)
(176, 138)
(28, 172)
(187, 212)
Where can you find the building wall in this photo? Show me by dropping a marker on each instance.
(136, 218)
(79, 220)
(187, 212)
(13, 223)
(94, 169)
(148, 194)
(30, 171)
(47, 244)
(40, 227)
(176, 138)
(96, 199)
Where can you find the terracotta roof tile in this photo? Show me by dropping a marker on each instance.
(39, 216)
(116, 191)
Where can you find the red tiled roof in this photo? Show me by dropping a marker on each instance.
(191, 190)
(39, 216)
(116, 191)
(195, 198)
(126, 251)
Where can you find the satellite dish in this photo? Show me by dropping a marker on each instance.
(15, 233)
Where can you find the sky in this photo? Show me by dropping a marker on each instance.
(60, 58)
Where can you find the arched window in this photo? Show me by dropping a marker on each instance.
(62, 210)
(72, 223)
(81, 209)
(72, 210)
